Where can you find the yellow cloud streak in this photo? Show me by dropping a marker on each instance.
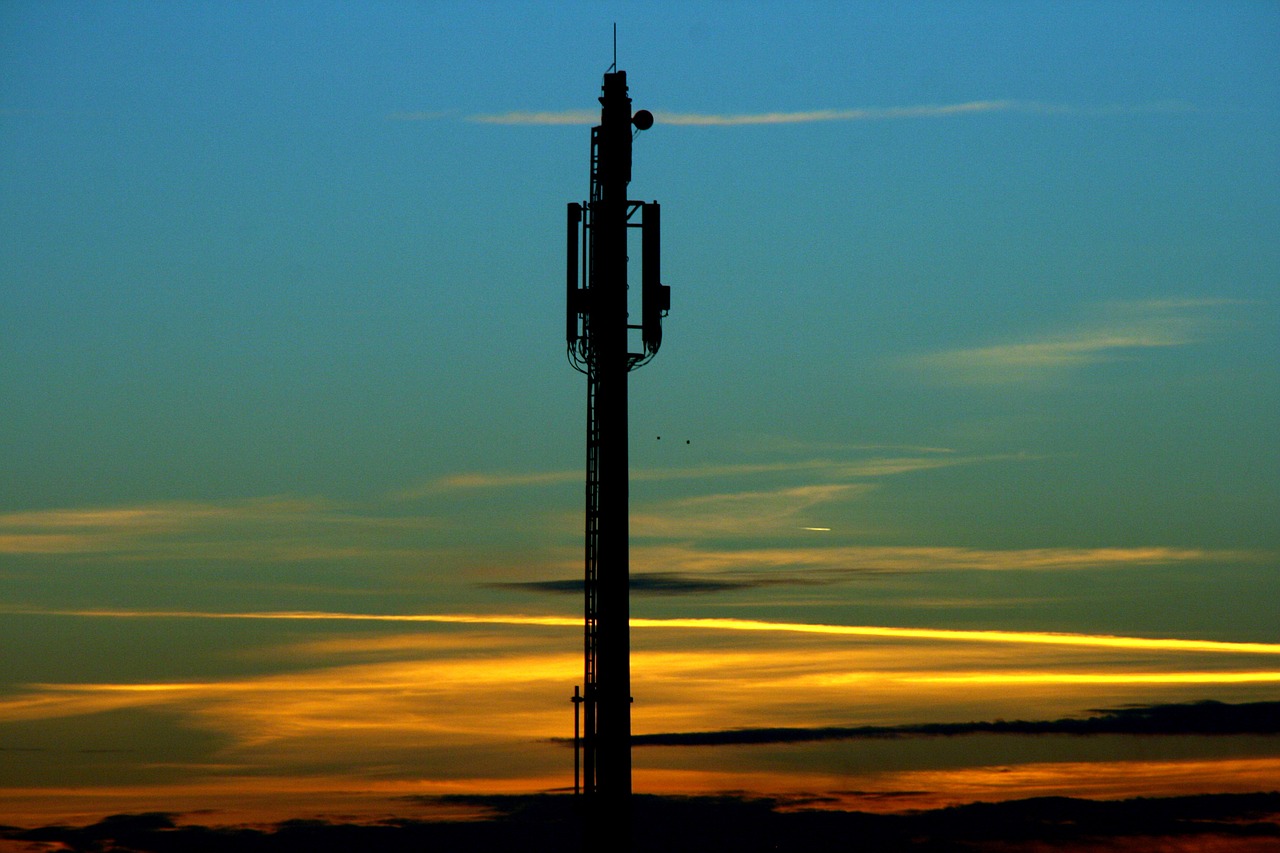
(1099, 678)
(1019, 637)
(1165, 644)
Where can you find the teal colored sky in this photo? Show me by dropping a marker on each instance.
(974, 326)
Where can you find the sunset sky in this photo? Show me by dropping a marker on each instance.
(966, 409)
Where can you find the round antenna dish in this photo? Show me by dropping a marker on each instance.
(643, 120)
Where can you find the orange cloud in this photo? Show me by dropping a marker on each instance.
(901, 790)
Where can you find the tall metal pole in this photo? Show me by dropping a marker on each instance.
(577, 740)
(598, 332)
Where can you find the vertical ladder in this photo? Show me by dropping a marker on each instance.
(591, 608)
(592, 545)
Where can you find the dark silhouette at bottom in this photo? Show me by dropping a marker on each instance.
(1245, 822)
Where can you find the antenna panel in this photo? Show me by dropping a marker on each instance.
(655, 296)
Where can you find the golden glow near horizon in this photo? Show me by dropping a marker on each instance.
(257, 800)
(426, 686)
(410, 705)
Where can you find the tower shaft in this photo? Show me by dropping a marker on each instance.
(598, 330)
(608, 310)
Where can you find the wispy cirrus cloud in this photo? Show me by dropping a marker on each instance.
(1121, 330)
(491, 480)
(281, 528)
(105, 529)
(1030, 361)
(739, 513)
(538, 117)
(812, 116)
(843, 560)
(779, 117)
(829, 468)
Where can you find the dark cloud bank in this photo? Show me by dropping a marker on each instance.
(1197, 718)
(665, 583)
(685, 824)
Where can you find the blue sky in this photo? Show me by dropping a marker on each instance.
(973, 328)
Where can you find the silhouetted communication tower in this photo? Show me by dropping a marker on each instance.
(600, 338)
